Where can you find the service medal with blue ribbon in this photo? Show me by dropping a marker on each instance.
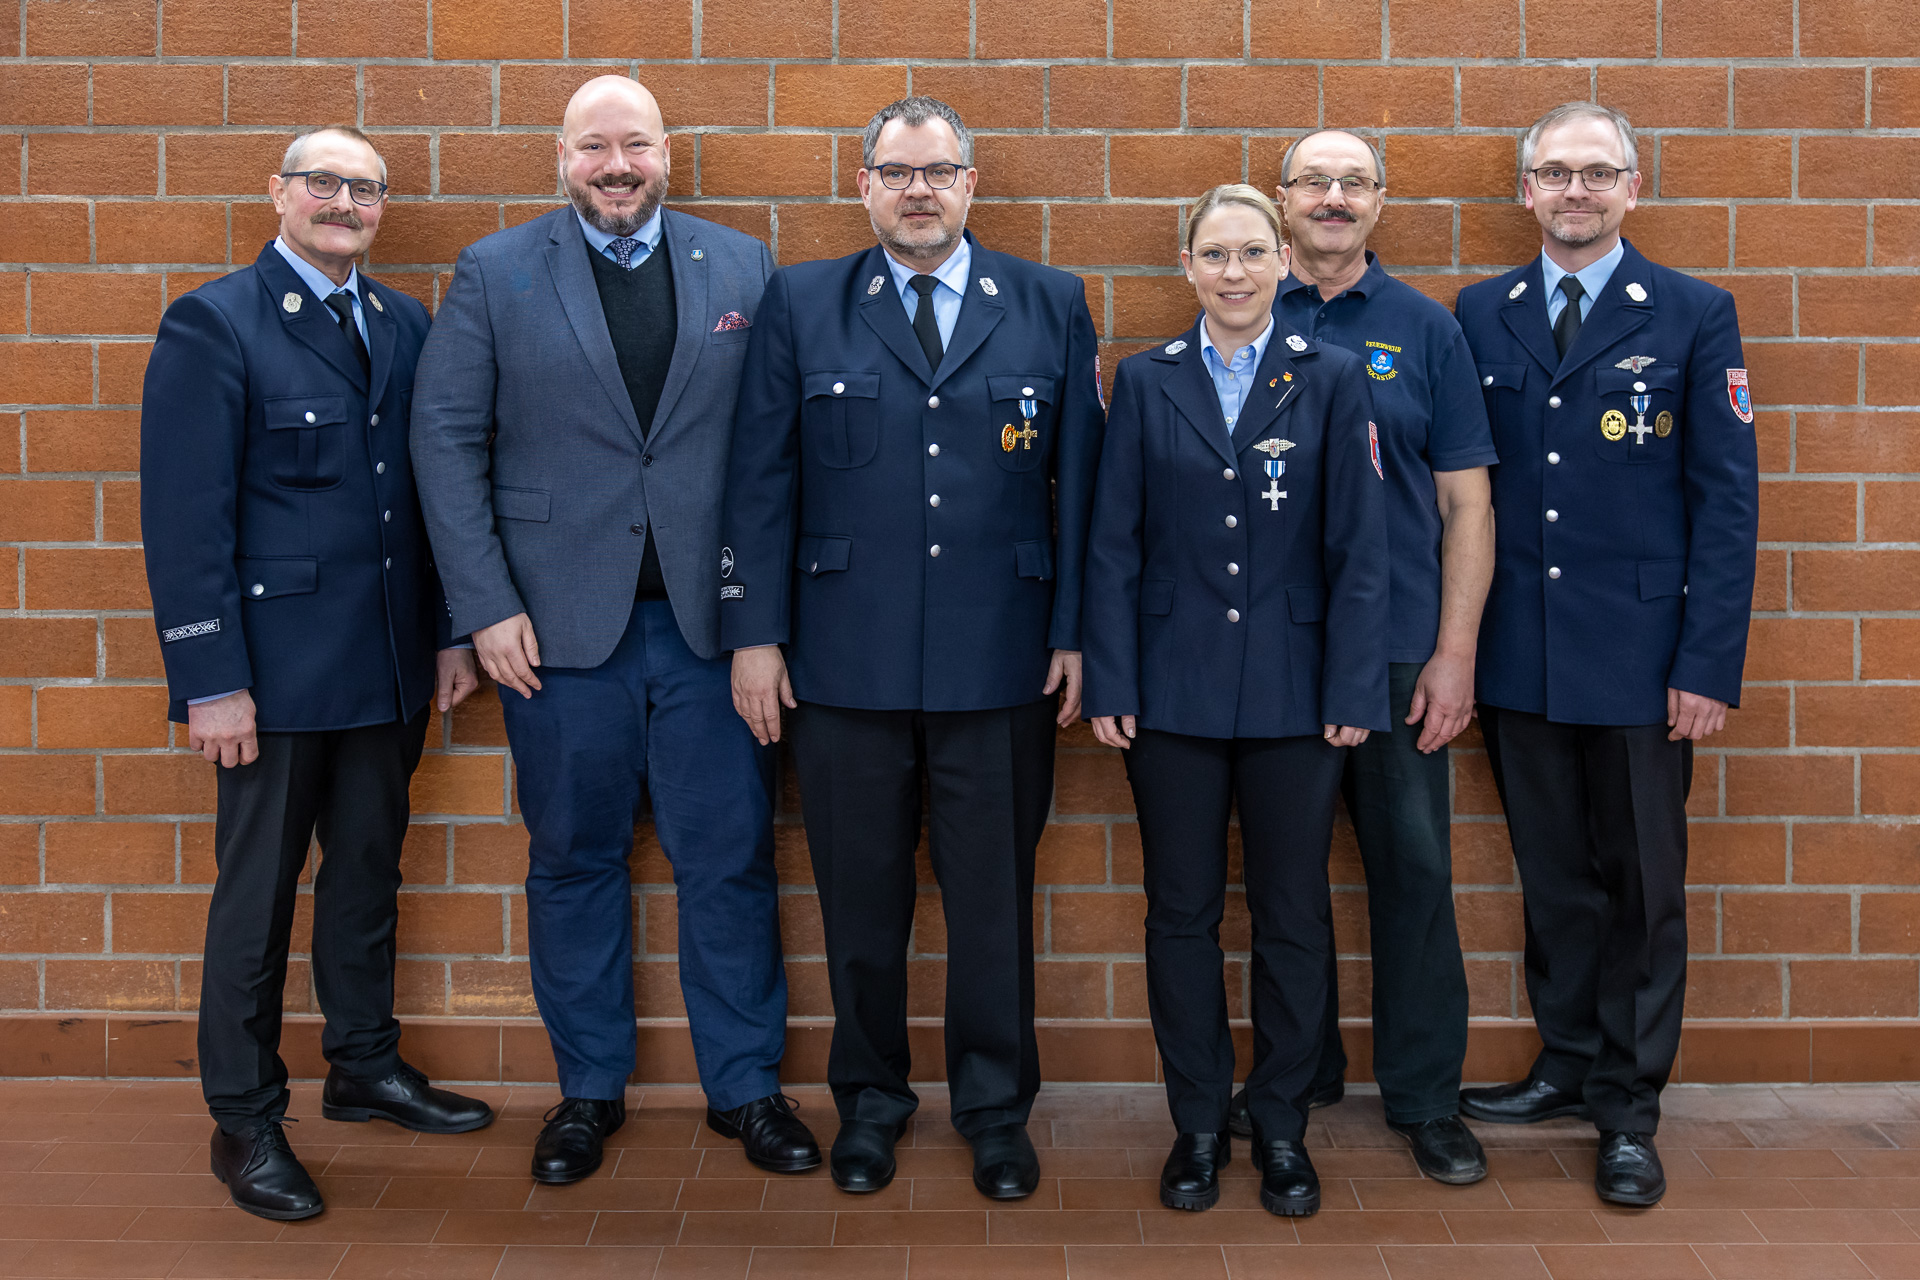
(1640, 428)
(1275, 469)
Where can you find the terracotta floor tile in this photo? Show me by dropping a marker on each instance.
(159, 1189)
(641, 1132)
(1744, 1193)
(1723, 1102)
(228, 1223)
(1890, 1261)
(1833, 1226)
(1620, 1261)
(757, 1228)
(233, 1260)
(62, 1126)
(399, 1162)
(1463, 1262)
(369, 1226)
(605, 1193)
(1563, 1193)
(419, 1262)
(819, 1195)
(1305, 1262)
(1781, 1262)
(1219, 1225)
(66, 1222)
(1806, 1134)
(1376, 1226)
(1146, 1262)
(647, 1162)
(728, 1162)
(115, 1157)
(960, 1193)
(49, 1095)
(505, 1131)
(1680, 1226)
(1903, 1133)
(1850, 1102)
(1548, 1133)
(1424, 1193)
(56, 1260)
(904, 1227)
(484, 1227)
(1083, 1162)
(1077, 1226)
(1517, 1163)
(1001, 1262)
(636, 1229)
(455, 1193)
(18, 1157)
(43, 1188)
(722, 1194)
(1703, 1133)
(350, 1192)
(1543, 1226)
(704, 1264)
(1781, 1164)
(1115, 1133)
(1680, 1162)
(544, 1262)
(1860, 1193)
(170, 1098)
(503, 1162)
(312, 1129)
(1110, 1193)
(833, 1264)
(939, 1162)
(1880, 1164)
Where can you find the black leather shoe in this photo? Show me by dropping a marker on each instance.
(1240, 1122)
(1005, 1166)
(1524, 1102)
(1191, 1177)
(572, 1145)
(1629, 1171)
(862, 1157)
(774, 1138)
(263, 1175)
(1445, 1149)
(1288, 1185)
(406, 1098)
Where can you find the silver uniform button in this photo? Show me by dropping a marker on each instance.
(1554, 458)
(376, 419)
(379, 468)
(309, 415)
(814, 567)
(1639, 386)
(1554, 572)
(934, 501)
(1227, 474)
(839, 388)
(933, 402)
(387, 516)
(389, 562)
(1233, 568)
(259, 590)
(1487, 381)
(1231, 522)
(1553, 402)
(1233, 615)
(933, 451)
(1552, 516)
(1026, 391)
(934, 550)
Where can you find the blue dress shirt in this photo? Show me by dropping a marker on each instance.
(1593, 278)
(1233, 379)
(952, 275)
(648, 235)
(316, 280)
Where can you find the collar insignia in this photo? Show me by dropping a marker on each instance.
(1297, 342)
(290, 303)
(988, 287)
(1516, 291)
(1175, 348)
(878, 283)
(1637, 293)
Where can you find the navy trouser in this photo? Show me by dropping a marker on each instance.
(657, 715)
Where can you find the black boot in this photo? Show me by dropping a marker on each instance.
(772, 1135)
(1005, 1165)
(1240, 1121)
(407, 1098)
(1523, 1102)
(1629, 1171)
(1445, 1149)
(1288, 1185)
(862, 1158)
(573, 1143)
(263, 1175)
(1191, 1177)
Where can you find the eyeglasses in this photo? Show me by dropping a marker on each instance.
(1319, 184)
(898, 177)
(322, 185)
(1556, 177)
(1254, 259)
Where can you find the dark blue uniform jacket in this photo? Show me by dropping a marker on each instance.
(1212, 610)
(1624, 546)
(852, 461)
(284, 546)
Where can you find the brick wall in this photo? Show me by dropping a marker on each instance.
(1781, 147)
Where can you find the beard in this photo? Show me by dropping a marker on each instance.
(1579, 233)
(928, 242)
(651, 194)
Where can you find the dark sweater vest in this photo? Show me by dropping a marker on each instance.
(638, 305)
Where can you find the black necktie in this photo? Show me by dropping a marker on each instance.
(925, 327)
(1567, 327)
(342, 307)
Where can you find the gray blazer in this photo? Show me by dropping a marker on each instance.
(533, 475)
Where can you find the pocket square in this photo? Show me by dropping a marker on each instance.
(732, 320)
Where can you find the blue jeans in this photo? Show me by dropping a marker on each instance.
(656, 714)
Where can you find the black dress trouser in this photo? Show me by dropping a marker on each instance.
(1400, 806)
(1598, 818)
(989, 780)
(348, 787)
(1183, 790)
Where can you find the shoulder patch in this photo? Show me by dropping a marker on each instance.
(1373, 447)
(1739, 396)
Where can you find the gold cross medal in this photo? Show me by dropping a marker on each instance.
(1613, 425)
(1027, 434)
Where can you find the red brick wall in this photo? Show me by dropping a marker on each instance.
(1781, 144)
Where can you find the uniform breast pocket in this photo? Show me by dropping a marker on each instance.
(840, 416)
(306, 450)
(1023, 419)
(1640, 414)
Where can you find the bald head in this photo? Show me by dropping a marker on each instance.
(615, 155)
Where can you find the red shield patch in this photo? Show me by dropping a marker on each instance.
(1373, 447)
(1738, 395)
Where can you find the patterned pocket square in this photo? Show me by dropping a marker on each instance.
(732, 320)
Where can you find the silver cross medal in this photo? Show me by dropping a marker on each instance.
(1275, 469)
(1640, 427)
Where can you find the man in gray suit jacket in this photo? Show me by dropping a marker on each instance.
(572, 412)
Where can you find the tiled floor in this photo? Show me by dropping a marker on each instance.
(110, 1180)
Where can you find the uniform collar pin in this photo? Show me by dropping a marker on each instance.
(1637, 292)
(875, 285)
(1297, 342)
(1175, 348)
(290, 303)
(988, 287)
(374, 298)
(1516, 291)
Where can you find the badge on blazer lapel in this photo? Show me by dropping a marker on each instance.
(699, 255)
(1516, 291)
(290, 303)
(1297, 342)
(374, 298)
(878, 283)
(1175, 348)
(1739, 396)
(988, 287)
(1637, 293)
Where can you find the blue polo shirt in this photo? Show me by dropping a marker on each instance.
(1431, 415)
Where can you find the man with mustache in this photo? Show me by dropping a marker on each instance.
(907, 510)
(571, 438)
(1435, 448)
(1616, 628)
(304, 633)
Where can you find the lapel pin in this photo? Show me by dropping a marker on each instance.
(1273, 382)
(988, 287)
(1516, 291)
(1637, 293)
(1634, 364)
(1173, 348)
(290, 303)
(1297, 342)
(875, 286)
(1273, 448)
(374, 298)
(699, 255)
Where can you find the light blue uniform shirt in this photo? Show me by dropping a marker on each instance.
(316, 280)
(1593, 278)
(952, 275)
(1233, 379)
(648, 235)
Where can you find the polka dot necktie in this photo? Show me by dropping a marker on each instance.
(623, 248)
